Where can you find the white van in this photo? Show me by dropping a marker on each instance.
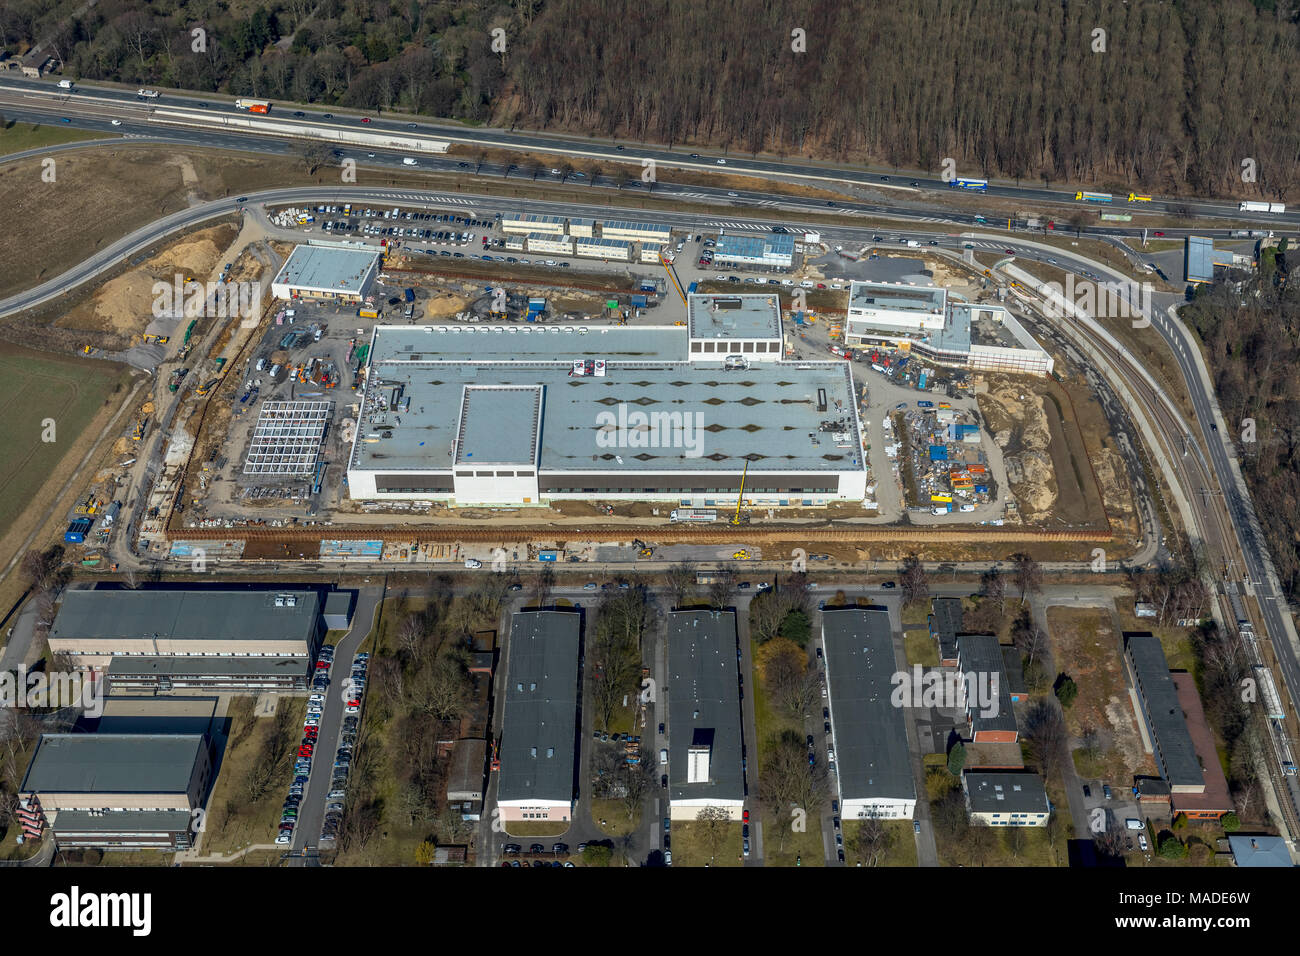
(408, 161)
(1133, 823)
(663, 757)
(65, 84)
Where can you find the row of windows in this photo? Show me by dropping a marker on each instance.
(101, 653)
(756, 492)
(734, 347)
(487, 474)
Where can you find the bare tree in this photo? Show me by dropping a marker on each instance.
(681, 581)
(872, 841)
(1028, 575)
(543, 585)
(912, 576)
(714, 823)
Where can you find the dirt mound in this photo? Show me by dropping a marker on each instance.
(1018, 421)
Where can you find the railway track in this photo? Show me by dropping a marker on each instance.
(658, 534)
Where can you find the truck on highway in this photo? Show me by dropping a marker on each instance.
(408, 161)
(1263, 207)
(65, 84)
(253, 106)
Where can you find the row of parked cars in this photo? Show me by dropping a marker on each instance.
(557, 851)
(306, 748)
(353, 688)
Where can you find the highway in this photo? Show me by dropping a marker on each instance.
(96, 108)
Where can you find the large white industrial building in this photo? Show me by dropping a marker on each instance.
(519, 415)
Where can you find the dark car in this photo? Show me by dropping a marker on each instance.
(299, 113)
(537, 848)
(830, 202)
(889, 585)
(329, 115)
(663, 781)
(1087, 790)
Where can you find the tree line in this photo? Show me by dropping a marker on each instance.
(1170, 97)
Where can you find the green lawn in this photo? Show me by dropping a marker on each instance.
(689, 848)
(16, 137)
(781, 845)
(900, 852)
(42, 387)
(920, 648)
(916, 616)
(614, 813)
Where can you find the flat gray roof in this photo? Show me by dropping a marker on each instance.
(981, 654)
(498, 425)
(127, 665)
(734, 316)
(493, 344)
(113, 763)
(1175, 752)
(324, 269)
(704, 703)
(870, 736)
(911, 298)
(192, 615)
(766, 415)
(1004, 792)
(123, 821)
(538, 741)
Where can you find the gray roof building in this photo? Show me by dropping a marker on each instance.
(539, 738)
(704, 720)
(1165, 725)
(1259, 851)
(979, 657)
(874, 764)
(109, 764)
(945, 623)
(191, 617)
(1004, 793)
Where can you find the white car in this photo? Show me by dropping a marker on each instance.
(967, 508)
(353, 708)
(148, 94)
(117, 122)
(312, 722)
(722, 162)
(284, 839)
(473, 563)
(316, 699)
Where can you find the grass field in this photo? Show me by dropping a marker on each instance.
(16, 137)
(42, 387)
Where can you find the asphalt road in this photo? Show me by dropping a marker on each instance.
(311, 812)
(91, 104)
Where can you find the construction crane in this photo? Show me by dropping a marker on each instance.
(735, 519)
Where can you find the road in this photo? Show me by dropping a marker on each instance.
(95, 108)
(311, 812)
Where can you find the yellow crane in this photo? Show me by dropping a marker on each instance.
(735, 519)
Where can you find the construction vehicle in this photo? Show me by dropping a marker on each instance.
(740, 497)
(207, 386)
(178, 376)
(140, 424)
(150, 339)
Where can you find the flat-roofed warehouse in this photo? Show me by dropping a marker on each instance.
(539, 745)
(97, 627)
(116, 790)
(615, 412)
(325, 272)
(874, 764)
(704, 720)
(774, 251)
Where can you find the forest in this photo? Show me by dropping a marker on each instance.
(1181, 98)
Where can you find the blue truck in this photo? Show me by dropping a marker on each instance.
(410, 295)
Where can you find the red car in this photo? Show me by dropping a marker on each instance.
(322, 665)
(365, 119)
(1159, 233)
(355, 703)
(746, 816)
